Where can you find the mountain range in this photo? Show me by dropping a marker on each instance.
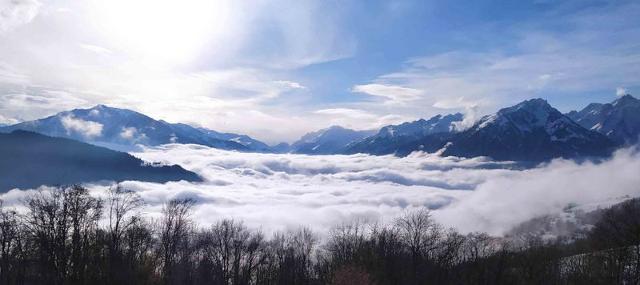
(402, 138)
(30, 160)
(123, 129)
(530, 131)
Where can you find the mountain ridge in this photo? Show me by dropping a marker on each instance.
(121, 128)
(31, 160)
(618, 120)
(532, 126)
(529, 131)
(395, 139)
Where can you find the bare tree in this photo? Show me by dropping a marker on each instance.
(63, 223)
(11, 247)
(122, 205)
(175, 229)
(233, 252)
(420, 235)
(289, 258)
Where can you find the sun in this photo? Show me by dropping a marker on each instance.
(164, 31)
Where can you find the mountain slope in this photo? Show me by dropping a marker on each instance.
(529, 131)
(619, 120)
(247, 141)
(409, 136)
(331, 140)
(30, 160)
(113, 127)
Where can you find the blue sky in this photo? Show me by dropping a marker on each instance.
(278, 69)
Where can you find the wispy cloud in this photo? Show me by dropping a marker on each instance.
(14, 13)
(540, 61)
(393, 94)
(620, 91)
(128, 133)
(357, 118)
(87, 129)
(96, 49)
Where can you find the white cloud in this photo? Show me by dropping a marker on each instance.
(231, 71)
(278, 191)
(505, 201)
(7, 121)
(470, 110)
(274, 191)
(14, 13)
(394, 94)
(357, 118)
(11, 75)
(290, 84)
(354, 113)
(87, 129)
(620, 91)
(39, 103)
(128, 133)
(454, 103)
(96, 49)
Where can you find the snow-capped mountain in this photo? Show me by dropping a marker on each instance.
(529, 131)
(619, 120)
(407, 136)
(331, 140)
(121, 128)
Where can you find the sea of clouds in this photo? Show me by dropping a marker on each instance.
(285, 191)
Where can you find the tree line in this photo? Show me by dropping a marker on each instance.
(68, 236)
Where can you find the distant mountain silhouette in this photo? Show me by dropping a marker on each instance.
(406, 137)
(29, 160)
(618, 120)
(331, 140)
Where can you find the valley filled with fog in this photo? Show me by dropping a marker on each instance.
(275, 192)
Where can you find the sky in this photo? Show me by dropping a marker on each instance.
(278, 69)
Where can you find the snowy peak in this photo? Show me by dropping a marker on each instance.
(531, 130)
(625, 100)
(618, 120)
(524, 116)
(531, 116)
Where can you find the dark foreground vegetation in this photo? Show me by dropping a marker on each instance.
(70, 237)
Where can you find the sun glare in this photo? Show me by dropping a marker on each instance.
(165, 31)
